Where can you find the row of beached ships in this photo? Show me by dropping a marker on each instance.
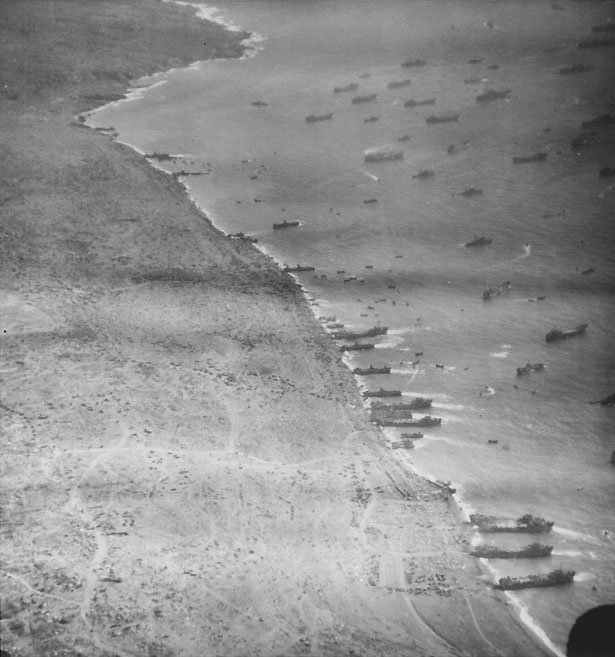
(386, 412)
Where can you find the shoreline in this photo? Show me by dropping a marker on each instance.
(41, 323)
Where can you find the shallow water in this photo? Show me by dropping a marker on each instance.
(261, 164)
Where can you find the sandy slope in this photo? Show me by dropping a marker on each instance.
(186, 469)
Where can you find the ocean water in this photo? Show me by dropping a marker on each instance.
(404, 252)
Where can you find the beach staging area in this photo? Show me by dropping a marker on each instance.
(187, 465)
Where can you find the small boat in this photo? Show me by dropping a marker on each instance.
(596, 43)
(416, 103)
(352, 86)
(472, 80)
(355, 335)
(410, 63)
(258, 103)
(425, 173)
(399, 84)
(491, 292)
(404, 138)
(554, 578)
(479, 241)
(531, 551)
(576, 68)
(607, 27)
(582, 140)
(457, 146)
(381, 392)
(368, 98)
(416, 435)
(600, 121)
(297, 268)
(557, 334)
(357, 346)
(525, 524)
(492, 95)
(526, 369)
(468, 192)
(442, 118)
(366, 371)
(314, 118)
(370, 200)
(371, 119)
(537, 157)
(383, 154)
(285, 224)
(609, 400)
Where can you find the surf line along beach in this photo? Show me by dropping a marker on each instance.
(187, 467)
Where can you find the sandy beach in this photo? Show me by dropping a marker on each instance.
(187, 468)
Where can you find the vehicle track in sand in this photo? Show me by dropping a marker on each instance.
(76, 505)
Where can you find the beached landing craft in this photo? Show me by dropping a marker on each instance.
(526, 369)
(536, 157)
(366, 371)
(416, 103)
(532, 551)
(525, 524)
(355, 335)
(479, 241)
(554, 578)
(416, 404)
(314, 118)
(402, 444)
(557, 334)
(298, 268)
(285, 224)
(381, 393)
(357, 347)
(426, 421)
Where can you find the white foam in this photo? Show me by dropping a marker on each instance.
(569, 533)
(500, 354)
(370, 175)
(584, 577)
